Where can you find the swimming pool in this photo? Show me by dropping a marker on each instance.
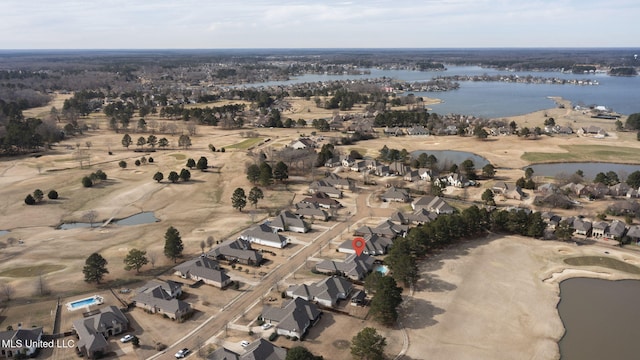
(382, 269)
(86, 302)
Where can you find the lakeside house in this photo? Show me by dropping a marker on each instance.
(433, 204)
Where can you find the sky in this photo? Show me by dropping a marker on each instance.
(225, 24)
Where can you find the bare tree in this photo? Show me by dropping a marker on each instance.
(153, 257)
(90, 216)
(202, 245)
(210, 241)
(12, 241)
(41, 286)
(7, 290)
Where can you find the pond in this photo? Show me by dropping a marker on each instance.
(446, 158)
(590, 169)
(146, 217)
(600, 319)
(4, 232)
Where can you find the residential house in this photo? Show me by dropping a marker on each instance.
(302, 143)
(326, 292)
(205, 269)
(294, 318)
(620, 189)
(399, 218)
(422, 216)
(411, 176)
(239, 251)
(576, 189)
(634, 233)
(347, 161)
(388, 228)
(582, 227)
(322, 200)
(374, 245)
(508, 190)
(417, 130)
(382, 170)
(311, 211)
(615, 231)
(398, 168)
(359, 166)
(325, 187)
(393, 131)
(547, 188)
(458, 180)
(288, 221)
(552, 220)
(433, 204)
(93, 330)
(21, 343)
(396, 194)
(338, 182)
(333, 162)
(260, 349)
(263, 234)
(599, 228)
(160, 297)
(353, 267)
(426, 174)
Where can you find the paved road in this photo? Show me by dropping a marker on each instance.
(217, 323)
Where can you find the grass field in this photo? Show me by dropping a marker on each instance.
(244, 145)
(606, 262)
(29, 271)
(585, 153)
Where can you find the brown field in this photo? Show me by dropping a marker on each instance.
(202, 208)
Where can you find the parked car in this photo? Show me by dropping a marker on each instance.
(126, 338)
(244, 343)
(266, 326)
(182, 353)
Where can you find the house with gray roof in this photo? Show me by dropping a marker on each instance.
(374, 245)
(93, 330)
(615, 231)
(263, 234)
(396, 194)
(325, 187)
(582, 227)
(599, 228)
(311, 211)
(260, 349)
(390, 229)
(303, 143)
(400, 218)
(239, 251)
(339, 182)
(422, 216)
(294, 318)
(20, 343)
(154, 298)
(353, 267)
(326, 292)
(634, 233)
(288, 221)
(433, 204)
(205, 269)
(508, 190)
(322, 200)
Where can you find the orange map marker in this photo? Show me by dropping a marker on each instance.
(358, 245)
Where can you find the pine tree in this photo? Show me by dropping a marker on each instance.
(95, 267)
(385, 302)
(135, 259)
(255, 194)
(173, 244)
(239, 199)
(368, 345)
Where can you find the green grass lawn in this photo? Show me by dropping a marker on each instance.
(244, 145)
(576, 153)
(605, 262)
(179, 156)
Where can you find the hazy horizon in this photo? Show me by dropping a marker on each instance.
(329, 24)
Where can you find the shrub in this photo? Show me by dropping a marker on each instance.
(122, 164)
(150, 159)
(222, 150)
(29, 200)
(137, 162)
(52, 195)
(273, 336)
(250, 332)
(294, 338)
(86, 182)
(260, 322)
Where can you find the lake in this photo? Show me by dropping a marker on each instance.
(600, 319)
(446, 158)
(137, 219)
(498, 99)
(590, 169)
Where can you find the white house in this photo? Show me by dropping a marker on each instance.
(263, 234)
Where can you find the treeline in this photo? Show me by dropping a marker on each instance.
(19, 135)
(447, 230)
(404, 118)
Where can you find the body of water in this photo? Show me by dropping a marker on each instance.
(446, 158)
(600, 319)
(4, 232)
(137, 219)
(590, 169)
(498, 99)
